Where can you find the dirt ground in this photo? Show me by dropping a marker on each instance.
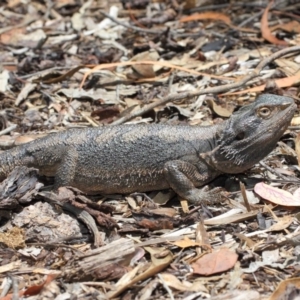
(73, 64)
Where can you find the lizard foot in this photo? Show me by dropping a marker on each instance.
(205, 196)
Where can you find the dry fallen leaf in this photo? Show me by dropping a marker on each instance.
(281, 83)
(283, 288)
(265, 30)
(276, 195)
(218, 109)
(207, 16)
(215, 262)
(26, 90)
(293, 26)
(175, 283)
(32, 290)
(185, 243)
(146, 71)
(160, 259)
(282, 223)
(20, 38)
(210, 15)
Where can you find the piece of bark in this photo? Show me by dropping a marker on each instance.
(43, 223)
(20, 186)
(105, 263)
(62, 199)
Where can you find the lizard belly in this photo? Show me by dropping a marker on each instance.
(120, 183)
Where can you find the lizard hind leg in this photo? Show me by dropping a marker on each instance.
(66, 171)
(183, 177)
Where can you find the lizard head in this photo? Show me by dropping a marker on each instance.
(251, 133)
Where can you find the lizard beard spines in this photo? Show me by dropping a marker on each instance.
(232, 155)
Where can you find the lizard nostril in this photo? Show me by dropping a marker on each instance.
(240, 136)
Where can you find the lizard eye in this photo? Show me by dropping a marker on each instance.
(264, 112)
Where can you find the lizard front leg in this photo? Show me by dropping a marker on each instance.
(66, 171)
(183, 177)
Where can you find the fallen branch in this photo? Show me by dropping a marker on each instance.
(146, 62)
(213, 90)
(132, 27)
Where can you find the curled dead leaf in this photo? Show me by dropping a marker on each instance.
(276, 195)
(218, 109)
(265, 30)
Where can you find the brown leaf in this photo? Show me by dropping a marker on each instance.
(250, 243)
(276, 195)
(281, 83)
(19, 37)
(293, 26)
(265, 30)
(218, 109)
(33, 290)
(282, 223)
(188, 4)
(214, 16)
(12, 36)
(106, 113)
(207, 16)
(186, 243)
(156, 224)
(146, 71)
(164, 211)
(36, 289)
(154, 221)
(215, 262)
(284, 287)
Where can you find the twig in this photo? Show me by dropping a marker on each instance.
(251, 19)
(213, 90)
(244, 195)
(6, 285)
(132, 27)
(25, 22)
(56, 245)
(272, 170)
(8, 129)
(15, 287)
(166, 287)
